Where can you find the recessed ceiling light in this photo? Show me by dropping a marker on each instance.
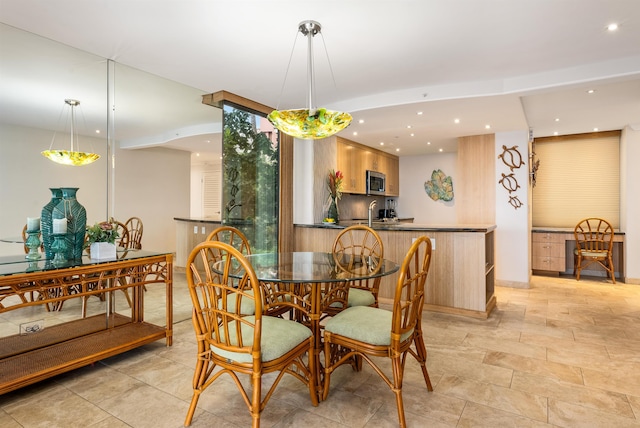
(612, 27)
(382, 143)
(197, 154)
(397, 150)
(595, 129)
(412, 134)
(456, 120)
(428, 143)
(361, 121)
(440, 150)
(591, 91)
(408, 126)
(555, 133)
(419, 113)
(97, 131)
(557, 119)
(487, 127)
(355, 133)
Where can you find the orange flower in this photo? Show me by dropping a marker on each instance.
(334, 184)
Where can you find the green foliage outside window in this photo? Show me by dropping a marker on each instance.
(250, 182)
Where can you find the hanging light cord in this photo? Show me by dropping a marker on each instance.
(287, 72)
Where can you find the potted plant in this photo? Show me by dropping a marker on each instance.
(101, 239)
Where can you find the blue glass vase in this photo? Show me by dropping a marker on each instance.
(46, 221)
(76, 216)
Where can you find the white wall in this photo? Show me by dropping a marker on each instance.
(303, 182)
(152, 184)
(414, 201)
(513, 232)
(630, 202)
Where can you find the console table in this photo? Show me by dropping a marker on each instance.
(28, 357)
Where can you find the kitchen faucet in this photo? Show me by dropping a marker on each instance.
(371, 205)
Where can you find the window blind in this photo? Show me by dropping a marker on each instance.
(579, 177)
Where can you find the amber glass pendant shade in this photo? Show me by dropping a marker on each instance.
(66, 157)
(71, 156)
(299, 124)
(311, 123)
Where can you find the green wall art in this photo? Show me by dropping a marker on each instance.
(440, 187)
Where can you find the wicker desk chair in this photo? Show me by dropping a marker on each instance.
(360, 244)
(365, 332)
(230, 342)
(594, 244)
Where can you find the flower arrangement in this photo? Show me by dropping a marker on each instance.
(334, 184)
(106, 231)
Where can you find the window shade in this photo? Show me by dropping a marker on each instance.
(579, 177)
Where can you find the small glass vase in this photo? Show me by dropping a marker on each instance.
(333, 209)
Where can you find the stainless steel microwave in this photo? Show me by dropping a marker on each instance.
(376, 182)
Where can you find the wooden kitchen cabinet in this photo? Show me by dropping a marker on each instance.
(548, 252)
(355, 159)
(350, 163)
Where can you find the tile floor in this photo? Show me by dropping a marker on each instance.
(562, 353)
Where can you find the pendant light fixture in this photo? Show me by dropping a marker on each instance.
(71, 156)
(311, 123)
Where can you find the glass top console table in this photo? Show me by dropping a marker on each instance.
(39, 351)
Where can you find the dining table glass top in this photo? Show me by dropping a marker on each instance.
(308, 267)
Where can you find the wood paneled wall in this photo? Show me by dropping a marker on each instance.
(475, 187)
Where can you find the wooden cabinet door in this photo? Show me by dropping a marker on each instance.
(393, 180)
(350, 163)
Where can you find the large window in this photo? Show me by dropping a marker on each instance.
(579, 177)
(250, 185)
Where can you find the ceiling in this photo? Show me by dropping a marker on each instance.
(509, 65)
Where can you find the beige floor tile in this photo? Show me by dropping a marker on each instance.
(43, 409)
(478, 416)
(595, 398)
(511, 347)
(625, 381)
(551, 342)
(531, 365)
(511, 400)
(462, 367)
(571, 415)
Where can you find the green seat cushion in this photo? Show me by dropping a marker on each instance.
(247, 306)
(279, 336)
(359, 297)
(365, 324)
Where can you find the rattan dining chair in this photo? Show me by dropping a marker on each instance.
(360, 244)
(594, 244)
(230, 342)
(366, 332)
(134, 234)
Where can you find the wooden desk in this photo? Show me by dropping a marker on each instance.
(552, 252)
(29, 358)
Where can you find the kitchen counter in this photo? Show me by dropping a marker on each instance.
(461, 276)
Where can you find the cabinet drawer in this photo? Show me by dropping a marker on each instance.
(554, 264)
(548, 249)
(547, 237)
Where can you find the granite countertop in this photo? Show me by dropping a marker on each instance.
(393, 226)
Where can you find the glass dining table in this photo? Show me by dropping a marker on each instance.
(312, 278)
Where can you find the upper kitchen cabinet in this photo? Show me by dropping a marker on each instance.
(355, 159)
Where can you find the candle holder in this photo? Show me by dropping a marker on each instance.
(32, 243)
(59, 248)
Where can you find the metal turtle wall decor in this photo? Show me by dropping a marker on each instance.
(512, 158)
